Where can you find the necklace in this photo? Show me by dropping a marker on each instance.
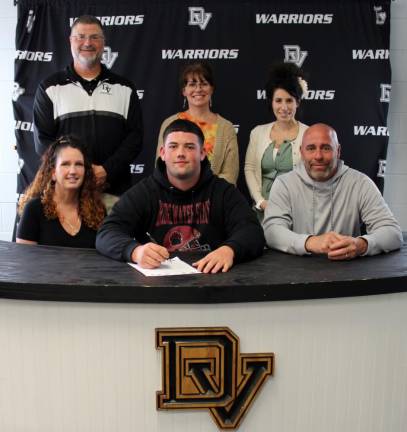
(74, 228)
(279, 135)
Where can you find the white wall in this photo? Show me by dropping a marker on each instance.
(8, 156)
(396, 173)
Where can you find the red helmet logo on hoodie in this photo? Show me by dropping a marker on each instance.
(182, 238)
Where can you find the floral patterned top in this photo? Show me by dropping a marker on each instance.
(209, 130)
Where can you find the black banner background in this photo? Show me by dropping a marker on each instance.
(347, 92)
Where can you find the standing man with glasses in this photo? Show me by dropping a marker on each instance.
(89, 101)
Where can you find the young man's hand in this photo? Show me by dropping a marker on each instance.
(220, 259)
(149, 255)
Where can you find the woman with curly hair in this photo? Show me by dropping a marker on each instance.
(62, 206)
(274, 148)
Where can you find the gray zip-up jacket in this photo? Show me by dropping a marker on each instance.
(299, 207)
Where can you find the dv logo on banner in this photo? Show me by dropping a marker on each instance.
(198, 17)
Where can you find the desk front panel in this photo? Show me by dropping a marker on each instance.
(340, 364)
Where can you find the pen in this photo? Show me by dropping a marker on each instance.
(152, 239)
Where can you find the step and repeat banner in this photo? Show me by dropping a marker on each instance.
(342, 45)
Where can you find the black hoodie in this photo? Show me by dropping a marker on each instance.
(211, 214)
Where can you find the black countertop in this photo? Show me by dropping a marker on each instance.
(66, 274)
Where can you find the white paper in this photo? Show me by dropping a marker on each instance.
(169, 267)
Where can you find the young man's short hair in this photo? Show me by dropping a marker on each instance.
(181, 125)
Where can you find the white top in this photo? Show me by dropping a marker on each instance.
(259, 141)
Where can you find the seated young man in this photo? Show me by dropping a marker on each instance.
(183, 206)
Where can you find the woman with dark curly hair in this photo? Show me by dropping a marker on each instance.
(62, 206)
(197, 85)
(274, 148)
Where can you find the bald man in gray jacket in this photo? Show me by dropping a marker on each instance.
(319, 207)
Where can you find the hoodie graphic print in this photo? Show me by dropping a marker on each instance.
(184, 235)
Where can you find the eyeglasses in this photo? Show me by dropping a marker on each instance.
(64, 139)
(196, 84)
(92, 37)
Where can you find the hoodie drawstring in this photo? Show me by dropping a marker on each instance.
(331, 209)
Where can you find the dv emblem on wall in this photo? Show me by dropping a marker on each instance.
(202, 368)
